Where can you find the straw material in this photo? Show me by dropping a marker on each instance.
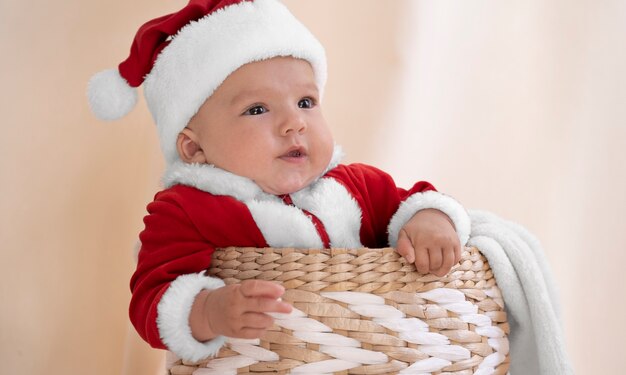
(364, 311)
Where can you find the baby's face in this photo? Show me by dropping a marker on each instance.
(265, 122)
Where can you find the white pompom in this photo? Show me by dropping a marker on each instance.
(110, 96)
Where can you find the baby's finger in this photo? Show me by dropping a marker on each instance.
(256, 320)
(446, 264)
(249, 333)
(457, 253)
(267, 305)
(422, 260)
(405, 248)
(261, 288)
(436, 258)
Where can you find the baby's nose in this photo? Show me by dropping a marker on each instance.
(294, 123)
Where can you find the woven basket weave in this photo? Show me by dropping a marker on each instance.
(364, 311)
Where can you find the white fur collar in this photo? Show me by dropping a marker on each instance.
(214, 180)
(336, 208)
(280, 224)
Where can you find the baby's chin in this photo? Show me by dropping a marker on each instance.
(288, 186)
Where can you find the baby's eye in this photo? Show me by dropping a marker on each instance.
(305, 103)
(256, 110)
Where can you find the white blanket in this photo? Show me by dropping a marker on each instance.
(521, 270)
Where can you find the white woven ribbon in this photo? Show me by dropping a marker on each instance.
(477, 319)
(295, 313)
(492, 360)
(425, 338)
(426, 365)
(377, 311)
(347, 352)
(355, 298)
(403, 325)
(324, 338)
(230, 363)
(210, 371)
(303, 324)
(327, 366)
(366, 357)
(443, 295)
(500, 345)
(485, 371)
(234, 340)
(255, 352)
(449, 352)
(461, 308)
(490, 331)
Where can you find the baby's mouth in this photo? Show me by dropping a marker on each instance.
(295, 153)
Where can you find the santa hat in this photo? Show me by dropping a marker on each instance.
(181, 58)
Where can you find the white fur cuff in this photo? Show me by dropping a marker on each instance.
(430, 199)
(173, 317)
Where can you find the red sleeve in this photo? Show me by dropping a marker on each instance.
(182, 229)
(170, 246)
(378, 197)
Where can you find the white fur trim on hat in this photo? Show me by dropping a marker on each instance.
(110, 96)
(173, 317)
(430, 199)
(203, 53)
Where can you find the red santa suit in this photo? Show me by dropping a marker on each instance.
(204, 208)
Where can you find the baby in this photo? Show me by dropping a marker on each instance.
(235, 88)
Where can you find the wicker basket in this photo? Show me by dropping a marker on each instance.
(365, 311)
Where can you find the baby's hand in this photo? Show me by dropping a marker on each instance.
(239, 310)
(430, 240)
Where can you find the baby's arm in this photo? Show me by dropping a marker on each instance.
(183, 226)
(430, 240)
(425, 226)
(237, 310)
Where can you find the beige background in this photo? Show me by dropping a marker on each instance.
(514, 107)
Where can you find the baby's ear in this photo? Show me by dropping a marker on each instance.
(188, 147)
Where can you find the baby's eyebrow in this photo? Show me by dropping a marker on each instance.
(311, 87)
(256, 94)
(246, 96)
